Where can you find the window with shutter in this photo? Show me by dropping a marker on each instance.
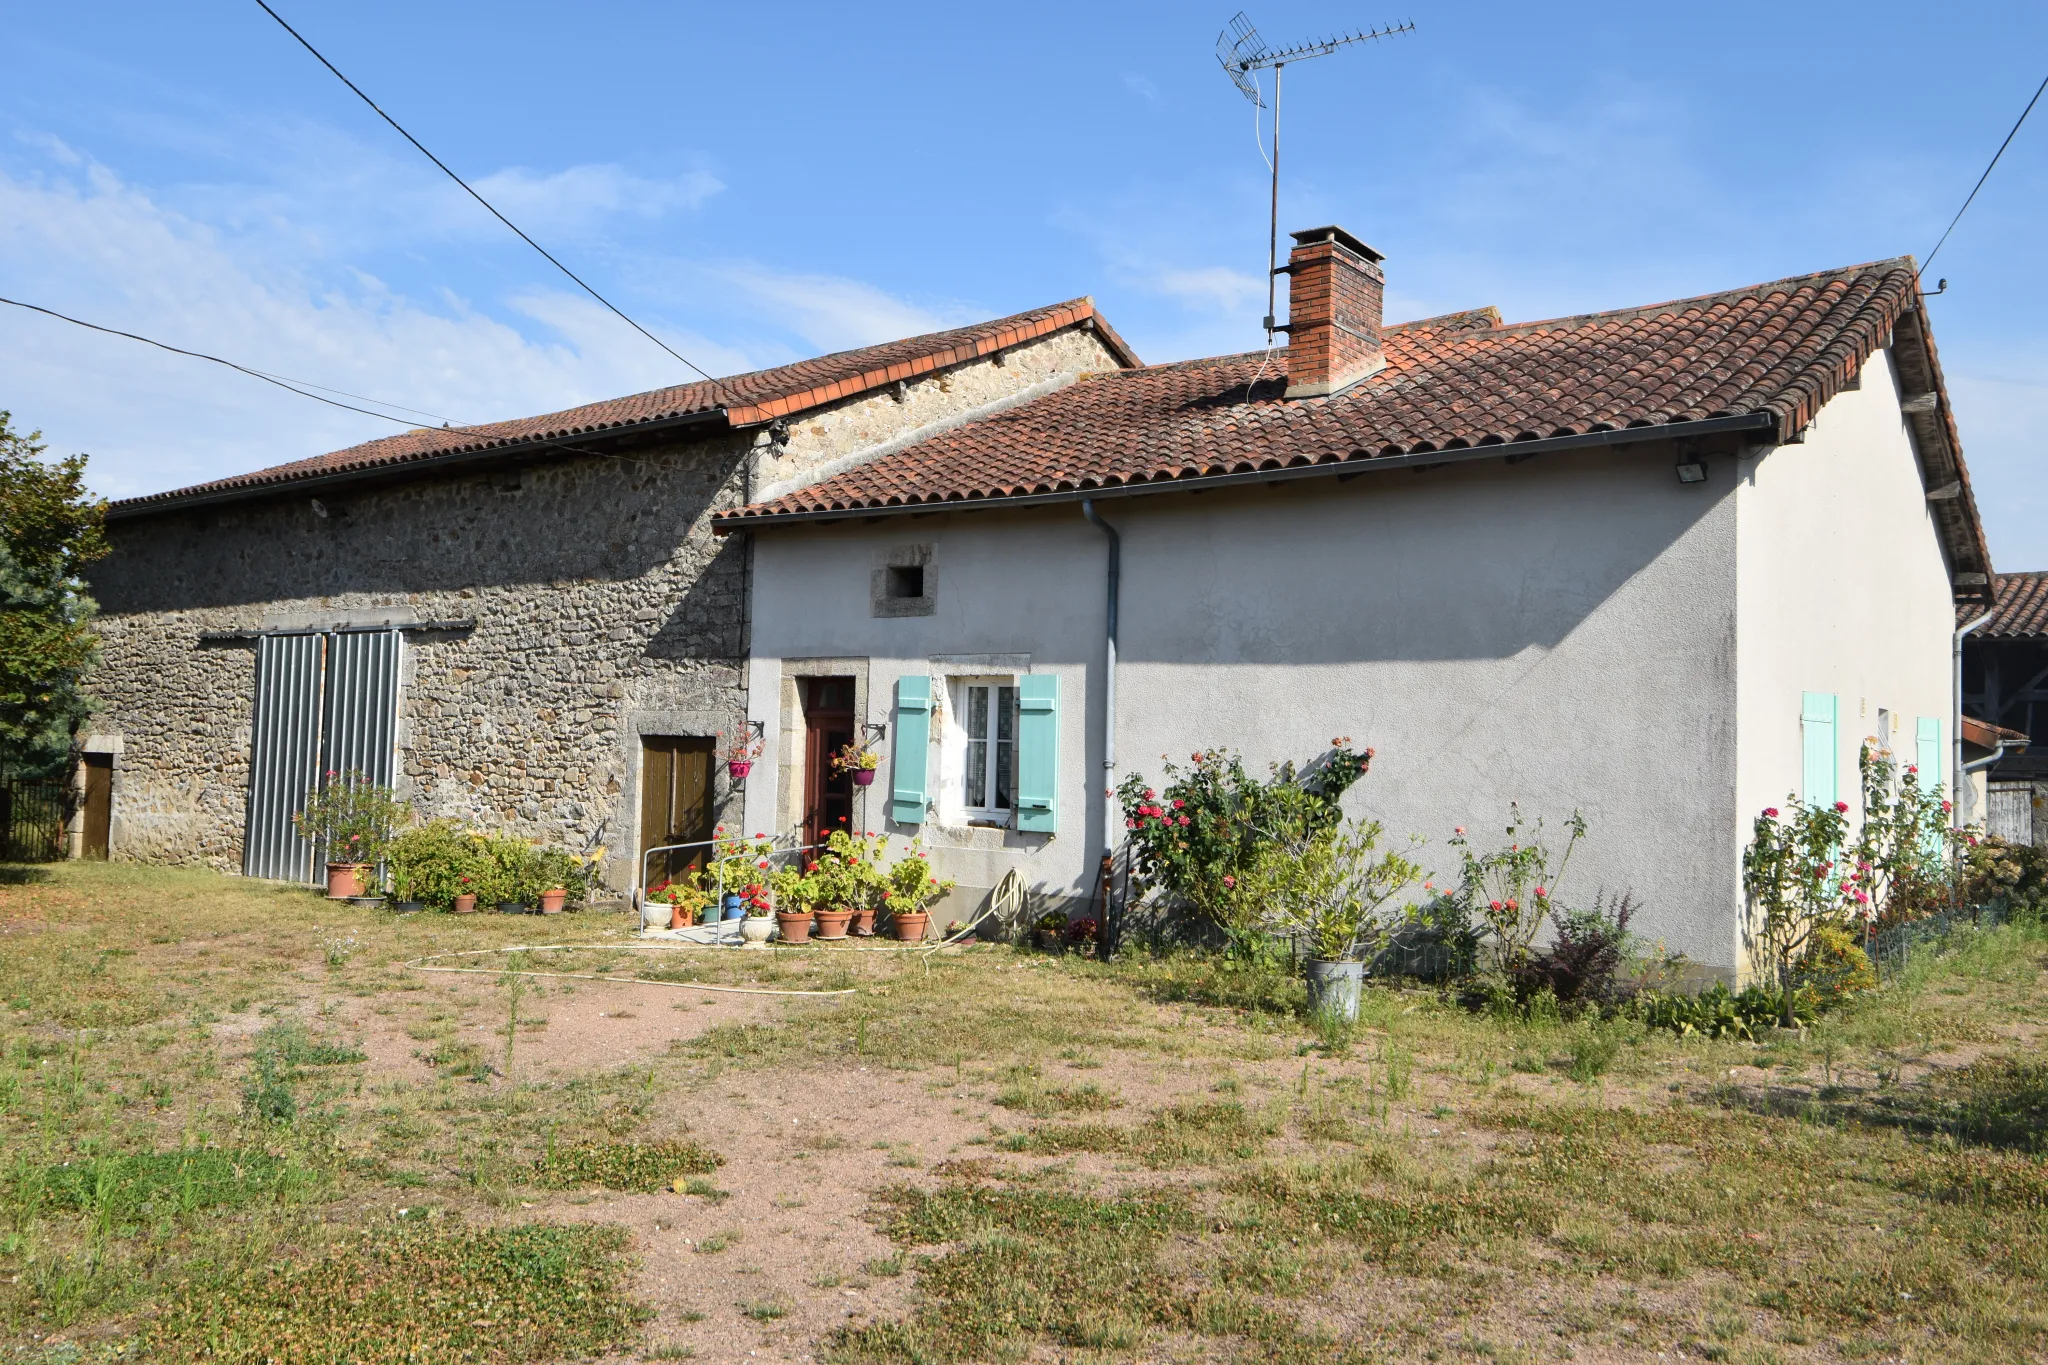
(911, 755)
(1817, 731)
(1038, 752)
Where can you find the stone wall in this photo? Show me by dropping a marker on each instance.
(603, 610)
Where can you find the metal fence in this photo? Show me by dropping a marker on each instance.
(32, 812)
(1890, 948)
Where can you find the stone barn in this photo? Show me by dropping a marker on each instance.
(528, 625)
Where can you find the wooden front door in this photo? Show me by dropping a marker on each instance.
(675, 801)
(99, 804)
(828, 727)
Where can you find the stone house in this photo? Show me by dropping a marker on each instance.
(1660, 565)
(528, 625)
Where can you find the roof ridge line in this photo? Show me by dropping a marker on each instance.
(1761, 289)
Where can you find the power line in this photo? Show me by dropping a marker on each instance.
(201, 355)
(291, 386)
(1980, 179)
(480, 199)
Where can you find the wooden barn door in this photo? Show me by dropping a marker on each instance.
(675, 801)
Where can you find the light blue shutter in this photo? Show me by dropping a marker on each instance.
(1928, 750)
(1038, 752)
(1817, 730)
(912, 754)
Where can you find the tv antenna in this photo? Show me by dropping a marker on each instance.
(1242, 52)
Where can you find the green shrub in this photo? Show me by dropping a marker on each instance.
(430, 862)
(1718, 1012)
(1833, 968)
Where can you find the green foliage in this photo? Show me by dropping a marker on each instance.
(530, 1293)
(509, 870)
(1514, 889)
(1794, 877)
(50, 529)
(912, 883)
(352, 819)
(1833, 968)
(640, 1167)
(1197, 839)
(1899, 864)
(434, 863)
(132, 1188)
(1326, 882)
(2015, 874)
(1998, 1101)
(1718, 1012)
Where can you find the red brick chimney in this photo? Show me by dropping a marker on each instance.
(1334, 300)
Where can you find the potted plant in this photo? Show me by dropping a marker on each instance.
(796, 895)
(913, 887)
(686, 897)
(743, 753)
(352, 820)
(737, 865)
(566, 875)
(857, 761)
(860, 879)
(1049, 932)
(1326, 884)
(834, 878)
(757, 926)
(428, 865)
(1083, 932)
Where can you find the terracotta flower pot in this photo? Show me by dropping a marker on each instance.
(465, 905)
(832, 923)
(795, 928)
(910, 926)
(551, 902)
(679, 918)
(863, 777)
(344, 880)
(864, 922)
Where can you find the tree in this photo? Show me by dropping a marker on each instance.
(1797, 885)
(50, 529)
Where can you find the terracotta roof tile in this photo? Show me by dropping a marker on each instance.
(1461, 381)
(2022, 611)
(747, 400)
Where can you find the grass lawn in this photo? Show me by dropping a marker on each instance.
(236, 1126)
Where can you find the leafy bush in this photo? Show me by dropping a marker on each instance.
(1325, 882)
(1718, 1012)
(2017, 874)
(429, 863)
(1833, 967)
(351, 818)
(1582, 963)
(1197, 838)
(1514, 889)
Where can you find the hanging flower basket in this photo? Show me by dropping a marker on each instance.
(863, 777)
(739, 768)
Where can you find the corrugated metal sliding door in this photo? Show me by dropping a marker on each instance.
(360, 721)
(284, 755)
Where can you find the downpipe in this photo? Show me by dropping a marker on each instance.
(1109, 809)
(1959, 771)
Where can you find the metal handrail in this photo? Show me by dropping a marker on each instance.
(640, 890)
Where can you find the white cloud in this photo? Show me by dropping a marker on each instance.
(1141, 87)
(1216, 287)
(581, 198)
(834, 313)
(232, 271)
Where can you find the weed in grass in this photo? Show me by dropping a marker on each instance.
(670, 1350)
(1593, 1051)
(128, 1189)
(704, 1189)
(716, 1242)
(414, 1293)
(640, 1167)
(883, 1267)
(764, 1310)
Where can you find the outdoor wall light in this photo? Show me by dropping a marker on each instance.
(1692, 471)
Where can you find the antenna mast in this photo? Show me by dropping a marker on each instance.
(1242, 52)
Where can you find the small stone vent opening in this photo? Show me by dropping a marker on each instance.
(906, 580)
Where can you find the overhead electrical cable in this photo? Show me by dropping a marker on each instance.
(492, 208)
(292, 387)
(1987, 173)
(201, 355)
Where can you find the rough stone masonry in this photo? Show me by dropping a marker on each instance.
(602, 608)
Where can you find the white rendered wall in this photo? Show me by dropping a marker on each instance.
(1560, 632)
(1843, 590)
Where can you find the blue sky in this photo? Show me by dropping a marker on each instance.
(758, 183)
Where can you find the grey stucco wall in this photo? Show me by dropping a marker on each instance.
(1560, 633)
(604, 609)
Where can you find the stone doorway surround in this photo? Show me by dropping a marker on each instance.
(789, 740)
(622, 831)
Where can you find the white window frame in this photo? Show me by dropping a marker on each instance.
(971, 809)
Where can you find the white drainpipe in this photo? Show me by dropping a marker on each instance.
(1109, 809)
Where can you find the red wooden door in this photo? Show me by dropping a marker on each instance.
(828, 727)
